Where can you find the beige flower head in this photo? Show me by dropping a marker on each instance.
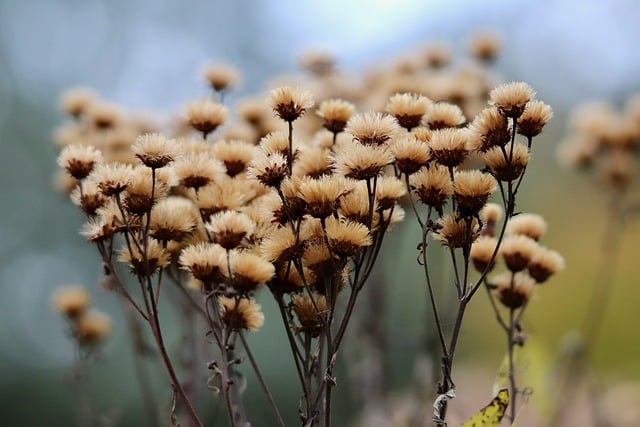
(513, 290)
(79, 160)
(241, 313)
(535, 116)
(206, 115)
(206, 262)
(433, 186)
(230, 228)
(335, 114)
(249, 271)
(457, 232)
(410, 154)
(154, 150)
(145, 259)
(511, 98)
(311, 312)
(544, 263)
(500, 166)
(408, 109)
(71, 301)
(221, 76)
(289, 104)
(450, 146)
(442, 115)
(372, 128)
(472, 189)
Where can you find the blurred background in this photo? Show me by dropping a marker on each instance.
(148, 55)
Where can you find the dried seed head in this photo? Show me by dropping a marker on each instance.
(457, 232)
(527, 224)
(442, 115)
(77, 101)
(88, 197)
(408, 109)
(221, 76)
(322, 196)
(410, 153)
(145, 263)
(433, 186)
(513, 290)
(311, 313)
(206, 262)
(289, 104)
(206, 115)
(347, 238)
(229, 228)
(335, 114)
(372, 128)
(449, 147)
(270, 170)
(517, 251)
(485, 46)
(249, 271)
(511, 98)
(491, 129)
(154, 150)
(544, 263)
(92, 327)
(490, 214)
(197, 170)
(535, 116)
(241, 313)
(389, 190)
(361, 162)
(173, 218)
(482, 251)
(71, 301)
(501, 168)
(111, 178)
(79, 160)
(235, 155)
(143, 192)
(472, 189)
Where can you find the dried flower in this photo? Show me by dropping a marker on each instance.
(408, 109)
(79, 160)
(154, 150)
(511, 98)
(241, 313)
(335, 114)
(372, 128)
(71, 301)
(289, 104)
(514, 290)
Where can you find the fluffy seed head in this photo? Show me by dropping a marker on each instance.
(335, 114)
(372, 128)
(433, 186)
(544, 263)
(472, 189)
(154, 150)
(501, 168)
(511, 98)
(513, 290)
(71, 301)
(289, 104)
(206, 115)
(527, 224)
(517, 251)
(241, 313)
(457, 232)
(408, 109)
(442, 115)
(79, 160)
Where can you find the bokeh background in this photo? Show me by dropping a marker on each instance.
(148, 54)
